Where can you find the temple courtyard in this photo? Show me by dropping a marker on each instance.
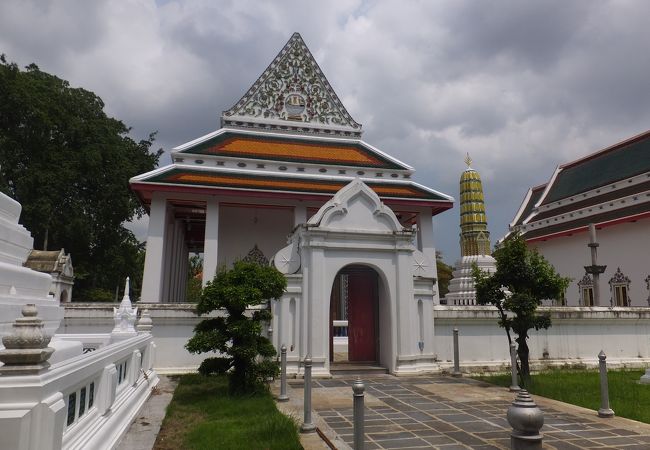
(420, 412)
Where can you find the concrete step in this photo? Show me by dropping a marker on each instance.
(354, 368)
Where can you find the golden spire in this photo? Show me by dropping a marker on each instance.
(474, 235)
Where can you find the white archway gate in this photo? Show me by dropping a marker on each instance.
(355, 228)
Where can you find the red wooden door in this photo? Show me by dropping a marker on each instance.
(362, 315)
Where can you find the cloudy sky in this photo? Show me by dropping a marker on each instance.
(522, 86)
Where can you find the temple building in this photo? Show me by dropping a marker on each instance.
(474, 239)
(288, 179)
(611, 190)
(58, 265)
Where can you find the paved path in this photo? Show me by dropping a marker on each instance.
(450, 413)
(143, 431)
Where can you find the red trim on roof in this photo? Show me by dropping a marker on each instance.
(581, 229)
(436, 206)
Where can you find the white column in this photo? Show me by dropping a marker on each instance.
(168, 257)
(425, 233)
(184, 260)
(406, 341)
(173, 249)
(153, 262)
(179, 237)
(211, 243)
(299, 215)
(425, 242)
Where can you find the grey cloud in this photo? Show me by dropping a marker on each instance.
(521, 86)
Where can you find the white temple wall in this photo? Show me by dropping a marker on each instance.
(625, 245)
(576, 336)
(173, 326)
(242, 227)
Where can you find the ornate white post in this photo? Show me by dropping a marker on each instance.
(26, 351)
(307, 425)
(124, 317)
(605, 410)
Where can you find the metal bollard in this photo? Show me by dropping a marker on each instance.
(526, 419)
(605, 410)
(283, 374)
(358, 393)
(514, 384)
(456, 372)
(307, 425)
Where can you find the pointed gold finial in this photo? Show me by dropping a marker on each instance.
(468, 160)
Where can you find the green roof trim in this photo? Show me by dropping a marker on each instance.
(602, 169)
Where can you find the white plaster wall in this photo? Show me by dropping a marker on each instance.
(173, 325)
(625, 245)
(577, 335)
(240, 228)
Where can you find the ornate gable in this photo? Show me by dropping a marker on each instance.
(292, 94)
(356, 207)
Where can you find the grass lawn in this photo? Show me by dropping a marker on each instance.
(627, 397)
(203, 416)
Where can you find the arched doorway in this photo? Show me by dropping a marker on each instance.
(354, 314)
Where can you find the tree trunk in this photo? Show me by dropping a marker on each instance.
(522, 351)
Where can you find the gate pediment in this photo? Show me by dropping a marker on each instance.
(356, 208)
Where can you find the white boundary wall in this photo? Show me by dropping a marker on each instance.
(173, 325)
(576, 336)
(34, 409)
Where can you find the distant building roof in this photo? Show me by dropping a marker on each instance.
(54, 261)
(618, 162)
(606, 187)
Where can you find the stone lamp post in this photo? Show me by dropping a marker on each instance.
(26, 351)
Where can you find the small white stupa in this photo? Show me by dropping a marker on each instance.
(474, 239)
(19, 285)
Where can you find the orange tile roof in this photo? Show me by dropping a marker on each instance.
(407, 190)
(292, 150)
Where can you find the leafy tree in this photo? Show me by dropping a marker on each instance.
(522, 280)
(69, 164)
(194, 279)
(245, 352)
(445, 274)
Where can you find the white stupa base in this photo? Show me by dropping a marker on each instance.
(461, 287)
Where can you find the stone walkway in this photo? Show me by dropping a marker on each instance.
(449, 413)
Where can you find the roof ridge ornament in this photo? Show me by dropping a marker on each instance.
(468, 161)
(292, 94)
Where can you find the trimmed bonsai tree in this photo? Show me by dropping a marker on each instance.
(244, 354)
(522, 280)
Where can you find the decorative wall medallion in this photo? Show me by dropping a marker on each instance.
(256, 256)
